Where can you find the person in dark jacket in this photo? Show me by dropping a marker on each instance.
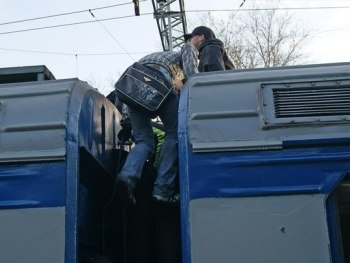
(212, 54)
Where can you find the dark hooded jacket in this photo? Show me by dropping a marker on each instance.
(213, 57)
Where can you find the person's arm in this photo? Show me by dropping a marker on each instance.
(189, 56)
(212, 59)
(228, 63)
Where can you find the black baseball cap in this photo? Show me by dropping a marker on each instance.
(201, 30)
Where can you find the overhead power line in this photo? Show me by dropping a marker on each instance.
(266, 9)
(111, 35)
(239, 8)
(65, 14)
(72, 54)
(233, 16)
(69, 24)
(128, 16)
(122, 53)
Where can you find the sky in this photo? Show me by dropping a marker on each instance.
(100, 49)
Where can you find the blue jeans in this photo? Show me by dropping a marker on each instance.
(144, 148)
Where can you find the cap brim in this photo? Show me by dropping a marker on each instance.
(187, 37)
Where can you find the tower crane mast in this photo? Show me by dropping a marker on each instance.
(171, 24)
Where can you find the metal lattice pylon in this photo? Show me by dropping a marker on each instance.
(171, 24)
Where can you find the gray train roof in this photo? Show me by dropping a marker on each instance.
(38, 119)
(25, 73)
(265, 108)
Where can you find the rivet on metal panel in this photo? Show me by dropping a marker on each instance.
(283, 229)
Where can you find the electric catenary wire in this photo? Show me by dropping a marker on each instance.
(69, 24)
(235, 13)
(111, 35)
(65, 14)
(72, 54)
(187, 11)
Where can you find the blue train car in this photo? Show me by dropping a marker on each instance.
(58, 149)
(264, 161)
(59, 156)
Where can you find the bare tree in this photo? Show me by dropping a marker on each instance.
(263, 38)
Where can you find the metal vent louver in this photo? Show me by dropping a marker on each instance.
(296, 103)
(311, 102)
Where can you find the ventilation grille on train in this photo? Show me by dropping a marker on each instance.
(299, 103)
(311, 102)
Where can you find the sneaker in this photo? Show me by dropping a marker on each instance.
(125, 191)
(172, 200)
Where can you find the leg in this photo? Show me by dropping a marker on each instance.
(168, 160)
(137, 157)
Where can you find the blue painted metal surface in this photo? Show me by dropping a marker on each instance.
(306, 165)
(32, 185)
(91, 125)
(266, 173)
(88, 122)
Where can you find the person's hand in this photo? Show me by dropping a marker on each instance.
(178, 85)
(125, 133)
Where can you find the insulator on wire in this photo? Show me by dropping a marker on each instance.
(137, 7)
